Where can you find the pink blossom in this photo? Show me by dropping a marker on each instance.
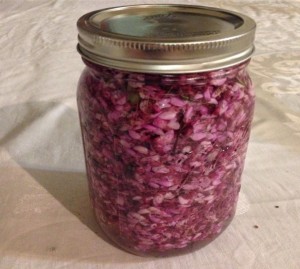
(168, 115)
(141, 150)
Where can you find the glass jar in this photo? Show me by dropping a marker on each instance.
(165, 119)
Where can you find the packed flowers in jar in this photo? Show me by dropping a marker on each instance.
(165, 105)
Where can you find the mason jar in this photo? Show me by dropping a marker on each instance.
(165, 105)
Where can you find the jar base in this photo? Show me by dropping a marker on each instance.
(110, 231)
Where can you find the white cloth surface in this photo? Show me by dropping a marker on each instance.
(45, 216)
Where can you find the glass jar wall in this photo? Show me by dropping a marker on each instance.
(164, 153)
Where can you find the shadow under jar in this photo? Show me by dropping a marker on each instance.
(165, 105)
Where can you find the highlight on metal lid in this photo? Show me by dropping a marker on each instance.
(165, 39)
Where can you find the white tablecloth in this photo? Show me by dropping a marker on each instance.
(45, 216)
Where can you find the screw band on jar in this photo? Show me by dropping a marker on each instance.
(135, 38)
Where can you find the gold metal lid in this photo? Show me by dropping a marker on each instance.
(165, 39)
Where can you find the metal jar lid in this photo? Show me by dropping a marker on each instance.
(165, 39)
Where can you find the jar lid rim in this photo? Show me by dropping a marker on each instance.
(165, 38)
